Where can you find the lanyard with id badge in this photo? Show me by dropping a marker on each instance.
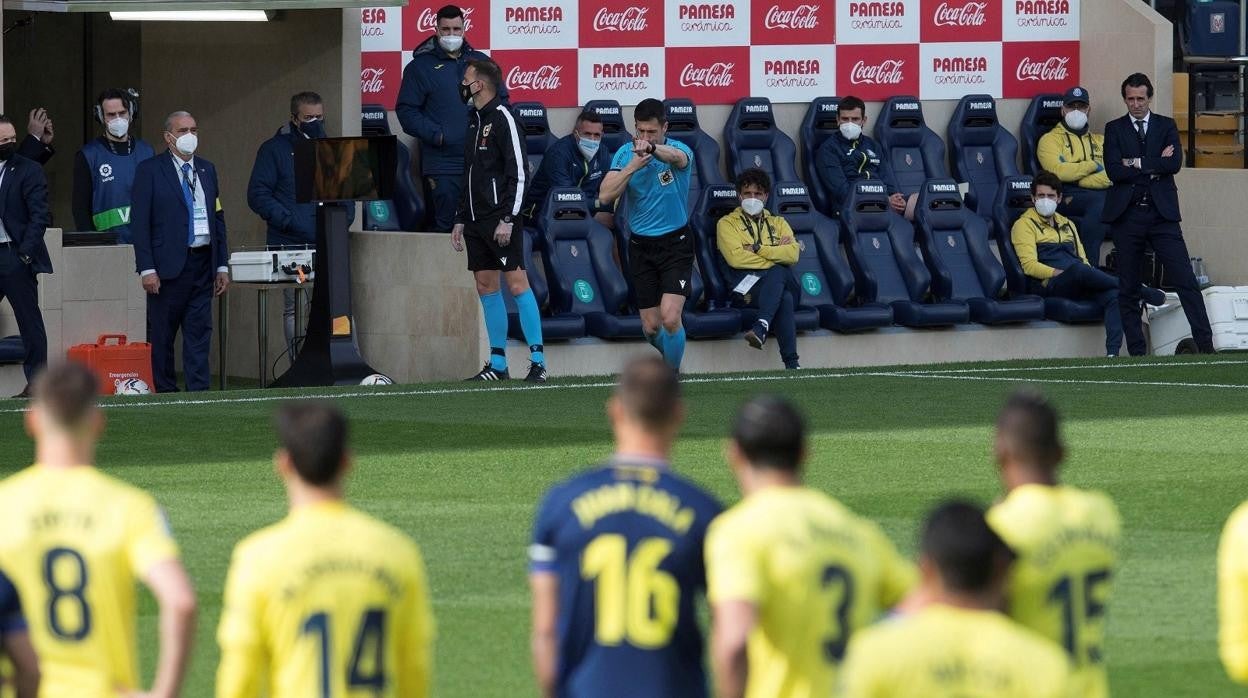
(199, 213)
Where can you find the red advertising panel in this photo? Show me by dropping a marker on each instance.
(877, 72)
(721, 76)
(420, 19)
(961, 20)
(792, 22)
(1030, 68)
(540, 75)
(381, 73)
(621, 23)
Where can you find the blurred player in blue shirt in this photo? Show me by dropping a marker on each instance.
(15, 642)
(617, 559)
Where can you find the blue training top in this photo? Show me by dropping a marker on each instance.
(658, 194)
(11, 618)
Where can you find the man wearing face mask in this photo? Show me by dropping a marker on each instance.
(1054, 259)
(850, 155)
(430, 109)
(757, 245)
(180, 252)
(576, 160)
(1077, 156)
(104, 168)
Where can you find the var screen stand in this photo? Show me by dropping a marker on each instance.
(330, 354)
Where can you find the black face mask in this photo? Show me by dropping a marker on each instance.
(8, 150)
(465, 92)
(311, 129)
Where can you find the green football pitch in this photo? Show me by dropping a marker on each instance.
(461, 469)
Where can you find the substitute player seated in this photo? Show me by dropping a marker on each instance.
(1066, 540)
(792, 572)
(616, 560)
(329, 601)
(74, 540)
(957, 644)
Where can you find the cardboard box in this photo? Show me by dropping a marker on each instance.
(1211, 138)
(1217, 121)
(1180, 97)
(1221, 156)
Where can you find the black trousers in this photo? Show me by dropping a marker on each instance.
(19, 284)
(184, 303)
(1141, 227)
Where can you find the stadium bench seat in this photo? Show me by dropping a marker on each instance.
(537, 135)
(955, 245)
(982, 151)
(752, 139)
(406, 211)
(614, 133)
(1043, 113)
(823, 273)
(682, 125)
(819, 123)
(716, 201)
(916, 153)
(581, 270)
(879, 244)
(555, 326)
(1013, 199)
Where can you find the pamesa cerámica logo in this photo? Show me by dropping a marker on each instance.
(876, 15)
(709, 17)
(528, 21)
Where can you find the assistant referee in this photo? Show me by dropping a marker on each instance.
(656, 173)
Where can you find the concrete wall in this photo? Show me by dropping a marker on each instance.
(1213, 221)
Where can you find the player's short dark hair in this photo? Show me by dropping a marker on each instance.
(315, 436)
(450, 12)
(754, 176)
(650, 110)
(1044, 178)
(850, 103)
(771, 433)
(1030, 427)
(303, 98)
(1137, 80)
(5, 120)
(487, 71)
(588, 116)
(649, 391)
(114, 93)
(66, 393)
(968, 554)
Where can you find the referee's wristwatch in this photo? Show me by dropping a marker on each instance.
(507, 219)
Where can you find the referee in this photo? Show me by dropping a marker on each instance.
(489, 205)
(660, 250)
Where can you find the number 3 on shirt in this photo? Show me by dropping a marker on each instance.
(370, 647)
(633, 599)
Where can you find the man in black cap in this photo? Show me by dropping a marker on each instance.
(1077, 156)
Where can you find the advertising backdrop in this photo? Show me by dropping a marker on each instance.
(566, 52)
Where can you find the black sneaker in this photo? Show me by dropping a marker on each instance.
(489, 374)
(537, 373)
(757, 336)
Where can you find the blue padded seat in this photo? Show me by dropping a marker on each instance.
(1043, 113)
(819, 123)
(715, 202)
(682, 125)
(955, 245)
(752, 139)
(614, 132)
(581, 268)
(981, 151)
(1013, 199)
(537, 136)
(406, 211)
(12, 351)
(555, 326)
(879, 244)
(823, 273)
(916, 153)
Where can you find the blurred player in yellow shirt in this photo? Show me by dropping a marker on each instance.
(1233, 595)
(1066, 541)
(956, 645)
(791, 572)
(73, 540)
(328, 602)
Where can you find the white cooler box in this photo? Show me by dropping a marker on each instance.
(1228, 317)
(277, 265)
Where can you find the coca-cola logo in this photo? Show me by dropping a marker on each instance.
(886, 73)
(544, 77)
(552, 13)
(969, 14)
(800, 17)
(717, 74)
(630, 19)
(371, 80)
(427, 20)
(1050, 69)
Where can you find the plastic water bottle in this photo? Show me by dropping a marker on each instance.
(1202, 276)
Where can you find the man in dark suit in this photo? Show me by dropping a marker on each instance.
(1142, 155)
(23, 219)
(179, 251)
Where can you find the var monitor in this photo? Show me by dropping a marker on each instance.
(345, 169)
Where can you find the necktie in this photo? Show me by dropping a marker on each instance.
(1139, 132)
(188, 190)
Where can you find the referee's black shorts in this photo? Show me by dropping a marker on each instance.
(485, 254)
(661, 264)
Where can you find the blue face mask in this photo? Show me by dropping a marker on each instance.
(588, 147)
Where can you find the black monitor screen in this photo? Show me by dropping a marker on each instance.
(345, 169)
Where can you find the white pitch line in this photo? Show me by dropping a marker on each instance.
(1072, 381)
(803, 376)
(1099, 367)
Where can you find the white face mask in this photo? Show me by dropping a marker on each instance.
(119, 127)
(451, 42)
(752, 207)
(588, 147)
(851, 131)
(187, 143)
(1076, 119)
(1046, 207)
